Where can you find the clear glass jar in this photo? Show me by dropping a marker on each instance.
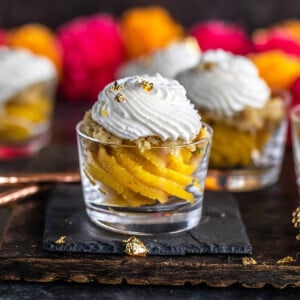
(248, 150)
(133, 191)
(25, 120)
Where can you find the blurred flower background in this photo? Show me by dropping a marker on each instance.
(88, 49)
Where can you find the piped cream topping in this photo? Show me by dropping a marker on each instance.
(225, 83)
(21, 68)
(169, 61)
(137, 107)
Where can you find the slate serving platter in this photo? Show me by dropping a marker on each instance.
(221, 231)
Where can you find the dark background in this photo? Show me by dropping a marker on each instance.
(251, 13)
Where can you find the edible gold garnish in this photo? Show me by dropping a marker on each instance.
(296, 222)
(247, 261)
(207, 66)
(147, 85)
(104, 113)
(61, 240)
(286, 260)
(120, 98)
(115, 87)
(135, 247)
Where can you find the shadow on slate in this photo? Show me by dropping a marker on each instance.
(222, 231)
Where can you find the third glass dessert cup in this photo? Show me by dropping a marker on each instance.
(249, 121)
(250, 159)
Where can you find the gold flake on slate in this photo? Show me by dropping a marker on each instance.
(61, 240)
(115, 87)
(247, 261)
(286, 260)
(135, 247)
(296, 221)
(147, 85)
(207, 66)
(120, 98)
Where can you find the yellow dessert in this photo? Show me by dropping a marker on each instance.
(238, 104)
(27, 83)
(148, 168)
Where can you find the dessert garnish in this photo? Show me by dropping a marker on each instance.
(135, 247)
(120, 98)
(296, 221)
(247, 261)
(147, 85)
(208, 65)
(61, 240)
(286, 260)
(115, 87)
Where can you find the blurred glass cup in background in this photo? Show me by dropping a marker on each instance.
(295, 127)
(27, 90)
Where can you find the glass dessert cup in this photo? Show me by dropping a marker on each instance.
(25, 120)
(245, 158)
(133, 191)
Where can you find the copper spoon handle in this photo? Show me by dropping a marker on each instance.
(17, 194)
(20, 178)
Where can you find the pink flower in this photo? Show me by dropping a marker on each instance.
(2, 37)
(277, 38)
(218, 34)
(92, 51)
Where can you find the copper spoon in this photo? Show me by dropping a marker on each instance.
(21, 178)
(17, 194)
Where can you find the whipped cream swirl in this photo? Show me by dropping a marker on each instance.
(21, 68)
(136, 107)
(169, 61)
(225, 83)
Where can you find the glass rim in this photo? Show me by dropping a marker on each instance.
(204, 125)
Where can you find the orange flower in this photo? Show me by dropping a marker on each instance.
(277, 68)
(292, 27)
(147, 29)
(39, 39)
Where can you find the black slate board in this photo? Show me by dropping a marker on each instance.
(222, 229)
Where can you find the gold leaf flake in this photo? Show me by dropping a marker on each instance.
(104, 113)
(247, 261)
(115, 87)
(147, 85)
(135, 247)
(286, 260)
(120, 98)
(61, 240)
(207, 66)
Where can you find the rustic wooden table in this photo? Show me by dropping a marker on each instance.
(266, 213)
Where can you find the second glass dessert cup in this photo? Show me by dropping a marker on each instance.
(149, 191)
(249, 159)
(25, 120)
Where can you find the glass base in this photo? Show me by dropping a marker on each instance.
(25, 149)
(146, 220)
(242, 180)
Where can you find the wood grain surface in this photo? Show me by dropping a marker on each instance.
(266, 213)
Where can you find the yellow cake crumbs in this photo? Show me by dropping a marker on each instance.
(286, 260)
(135, 247)
(247, 261)
(61, 240)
